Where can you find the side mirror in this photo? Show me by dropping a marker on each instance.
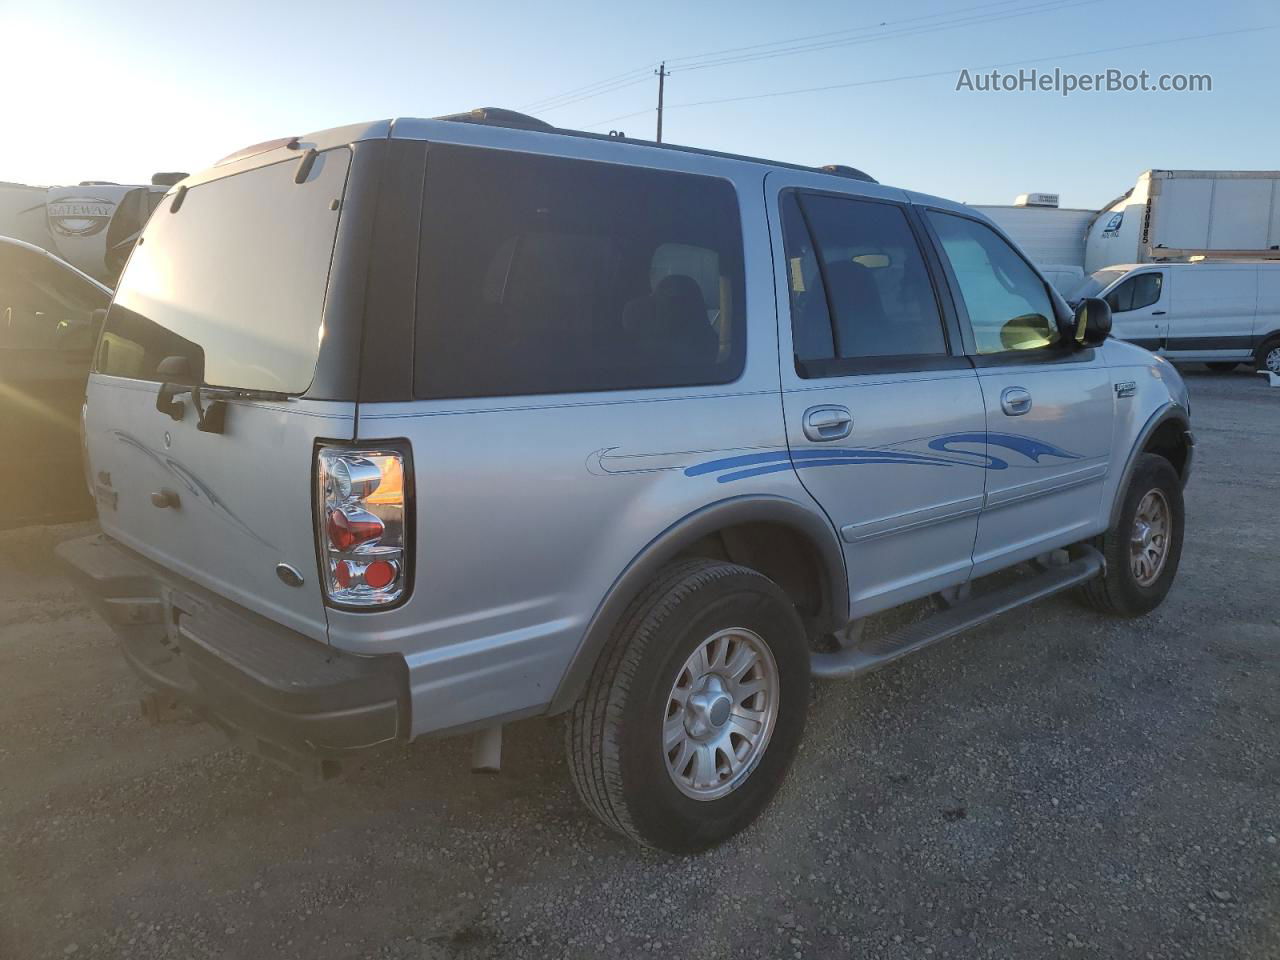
(1093, 321)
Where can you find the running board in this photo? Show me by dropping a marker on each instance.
(873, 654)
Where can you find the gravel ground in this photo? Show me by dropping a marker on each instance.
(1054, 784)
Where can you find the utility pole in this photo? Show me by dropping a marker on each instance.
(662, 75)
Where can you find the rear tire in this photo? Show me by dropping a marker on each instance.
(653, 701)
(1144, 546)
(1222, 366)
(1268, 356)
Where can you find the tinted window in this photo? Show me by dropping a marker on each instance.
(1136, 292)
(548, 275)
(811, 335)
(878, 291)
(1008, 305)
(233, 282)
(43, 304)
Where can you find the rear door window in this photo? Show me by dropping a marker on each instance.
(233, 281)
(552, 275)
(879, 298)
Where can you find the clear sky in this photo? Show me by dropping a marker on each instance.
(95, 89)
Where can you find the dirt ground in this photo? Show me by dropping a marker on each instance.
(1054, 784)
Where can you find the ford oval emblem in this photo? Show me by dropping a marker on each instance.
(288, 575)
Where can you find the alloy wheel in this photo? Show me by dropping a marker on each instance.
(720, 713)
(1149, 542)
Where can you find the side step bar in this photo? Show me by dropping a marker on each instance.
(870, 655)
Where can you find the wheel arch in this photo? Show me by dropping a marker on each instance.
(1266, 343)
(1167, 433)
(739, 526)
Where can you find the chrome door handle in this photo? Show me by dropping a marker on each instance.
(827, 423)
(1015, 401)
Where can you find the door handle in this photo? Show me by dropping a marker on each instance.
(1015, 401)
(827, 423)
(1158, 313)
(166, 499)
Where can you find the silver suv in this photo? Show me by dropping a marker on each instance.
(424, 426)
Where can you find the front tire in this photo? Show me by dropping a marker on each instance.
(1143, 548)
(694, 712)
(1268, 356)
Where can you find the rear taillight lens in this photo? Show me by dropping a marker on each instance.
(361, 525)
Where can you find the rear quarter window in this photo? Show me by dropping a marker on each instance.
(233, 281)
(551, 275)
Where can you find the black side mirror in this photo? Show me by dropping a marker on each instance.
(1093, 321)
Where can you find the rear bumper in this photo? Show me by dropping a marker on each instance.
(277, 692)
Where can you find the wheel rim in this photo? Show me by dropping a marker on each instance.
(1272, 359)
(1149, 544)
(720, 713)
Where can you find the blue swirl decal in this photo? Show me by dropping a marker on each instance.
(747, 465)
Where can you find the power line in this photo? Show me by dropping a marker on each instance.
(1049, 6)
(943, 73)
(576, 91)
(710, 59)
(681, 61)
(622, 85)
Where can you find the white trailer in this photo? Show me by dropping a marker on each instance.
(1052, 237)
(92, 225)
(1178, 214)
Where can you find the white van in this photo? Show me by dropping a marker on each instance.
(1220, 312)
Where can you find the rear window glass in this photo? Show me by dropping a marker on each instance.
(233, 282)
(548, 275)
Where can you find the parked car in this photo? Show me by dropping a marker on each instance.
(50, 314)
(1220, 312)
(422, 427)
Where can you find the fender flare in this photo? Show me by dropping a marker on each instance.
(1167, 412)
(807, 521)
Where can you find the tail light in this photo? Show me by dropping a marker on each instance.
(362, 524)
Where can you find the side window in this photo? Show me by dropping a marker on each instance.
(878, 297)
(1008, 305)
(1136, 292)
(811, 336)
(44, 306)
(551, 275)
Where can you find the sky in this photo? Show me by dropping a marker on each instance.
(107, 90)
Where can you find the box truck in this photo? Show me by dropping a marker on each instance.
(1178, 214)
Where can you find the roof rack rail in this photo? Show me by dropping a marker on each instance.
(853, 173)
(499, 117)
